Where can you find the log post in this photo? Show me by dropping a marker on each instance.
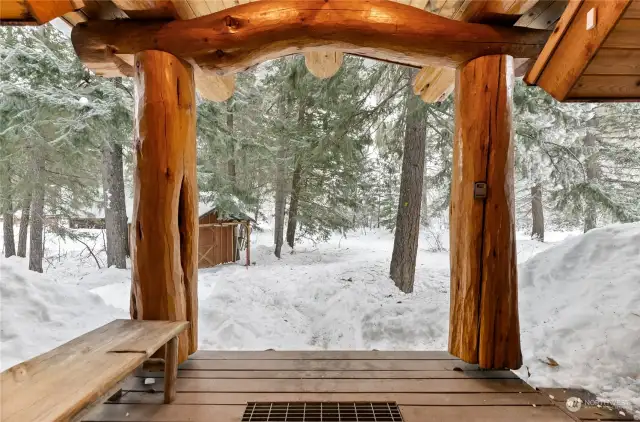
(484, 327)
(165, 216)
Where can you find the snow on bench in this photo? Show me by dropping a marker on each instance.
(60, 384)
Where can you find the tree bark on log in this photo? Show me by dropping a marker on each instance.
(537, 213)
(7, 212)
(114, 205)
(484, 326)
(165, 214)
(36, 240)
(25, 211)
(407, 233)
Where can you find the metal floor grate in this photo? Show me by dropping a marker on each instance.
(322, 412)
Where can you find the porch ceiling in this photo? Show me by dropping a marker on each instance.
(433, 84)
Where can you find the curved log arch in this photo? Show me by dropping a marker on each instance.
(237, 38)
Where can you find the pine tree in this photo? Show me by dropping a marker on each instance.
(405, 245)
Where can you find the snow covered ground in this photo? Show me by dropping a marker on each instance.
(579, 303)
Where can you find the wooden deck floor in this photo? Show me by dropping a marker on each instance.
(427, 386)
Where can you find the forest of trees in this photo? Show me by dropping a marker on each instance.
(312, 156)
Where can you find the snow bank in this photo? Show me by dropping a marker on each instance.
(580, 305)
(39, 313)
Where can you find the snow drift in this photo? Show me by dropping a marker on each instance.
(39, 313)
(580, 305)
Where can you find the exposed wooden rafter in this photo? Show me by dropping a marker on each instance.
(245, 35)
(499, 12)
(564, 70)
(35, 12)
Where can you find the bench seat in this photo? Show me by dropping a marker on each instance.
(60, 384)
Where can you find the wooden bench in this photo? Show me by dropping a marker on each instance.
(62, 384)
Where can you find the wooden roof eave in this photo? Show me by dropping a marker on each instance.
(575, 44)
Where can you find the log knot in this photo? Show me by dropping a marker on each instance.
(231, 22)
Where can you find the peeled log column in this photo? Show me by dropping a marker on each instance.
(484, 325)
(165, 220)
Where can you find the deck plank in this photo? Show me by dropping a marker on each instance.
(483, 414)
(215, 387)
(320, 354)
(327, 365)
(338, 374)
(415, 399)
(165, 413)
(184, 385)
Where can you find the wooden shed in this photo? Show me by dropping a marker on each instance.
(222, 238)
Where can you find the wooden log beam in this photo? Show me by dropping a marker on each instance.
(434, 84)
(484, 327)
(323, 64)
(35, 12)
(165, 215)
(240, 37)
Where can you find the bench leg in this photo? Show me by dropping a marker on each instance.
(170, 370)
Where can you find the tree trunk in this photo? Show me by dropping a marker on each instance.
(483, 325)
(593, 173)
(36, 241)
(280, 200)
(164, 257)
(114, 204)
(231, 163)
(293, 204)
(24, 225)
(7, 212)
(296, 186)
(407, 233)
(537, 212)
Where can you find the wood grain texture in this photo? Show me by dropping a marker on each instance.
(14, 11)
(211, 385)
(626, 34)
(55, 386)
(165, 220)
(554, 40)
(483, 325)
(320, 354)
(230, 413)
(328, 365)
(502, 12)
(170, 370)
(434, 84)
(484, 414)
(614, 61)
(572, 48)
(606, 87)
(245, 35)
(339, 374)
(44, 11)
(416, 399)
(323, 64)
